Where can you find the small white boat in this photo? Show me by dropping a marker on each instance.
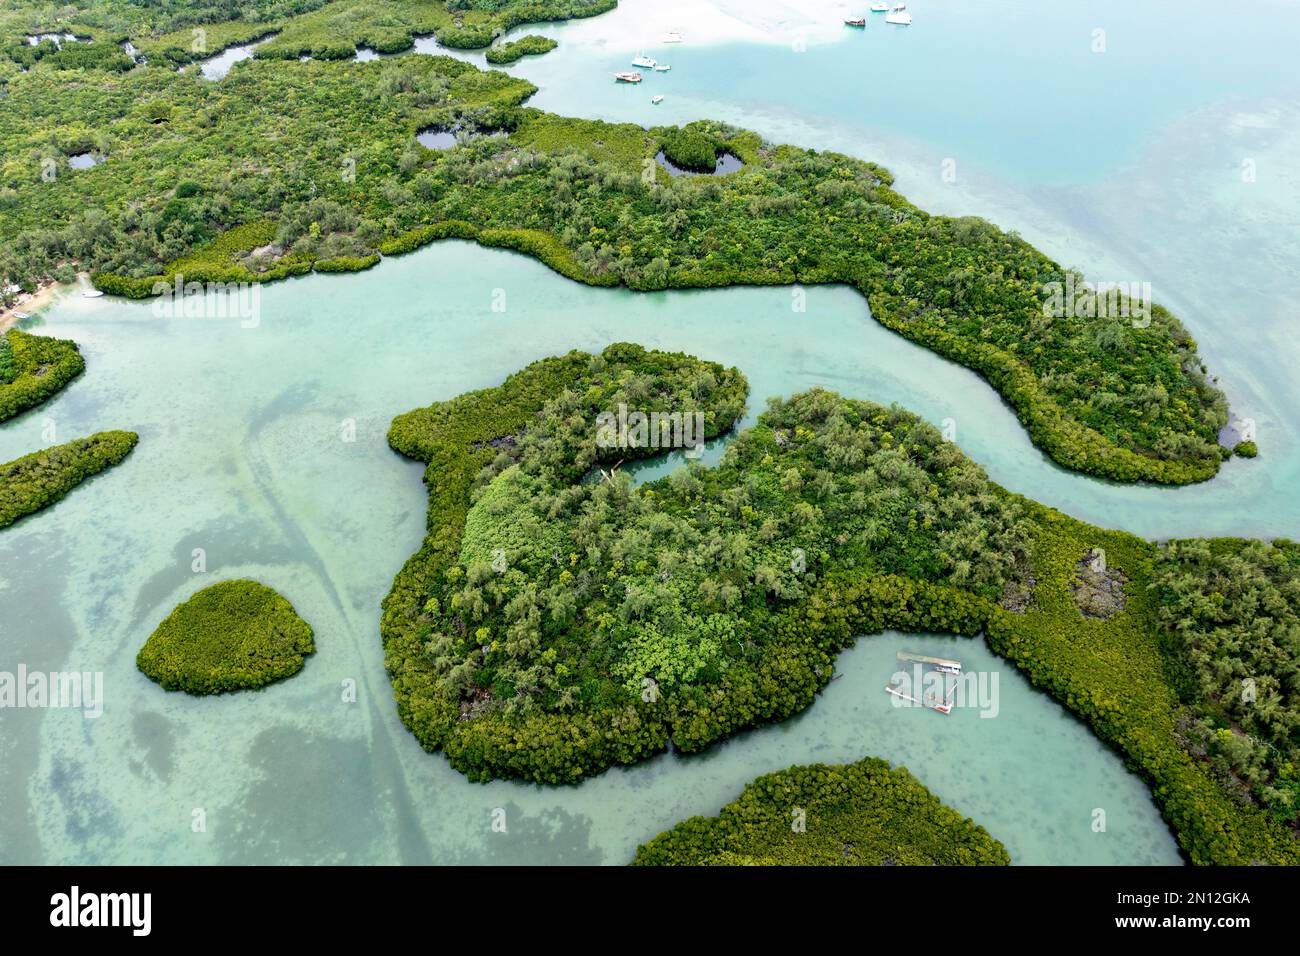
(880, 8)
(657, 99)
(899, 15)
(644, 61)
(662, 67)
(943, 664)
(630, 76)
(20, 315)
(932, 702)
(671, 37)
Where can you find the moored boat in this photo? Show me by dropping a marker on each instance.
(628, 76)
(931, 702)
(662, 67)
(899, 15)
(858, 22)
(657, 99)
(644, 61)
(942, 664)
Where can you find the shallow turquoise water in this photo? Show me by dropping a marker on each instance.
(241, 454)
(1007, 84)
(1128, 164)
(1129, 169)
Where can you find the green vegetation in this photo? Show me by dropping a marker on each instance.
(175, 32)
(119, 19)
(859, 814)
(1231, 610)
(1117, 674)
(247, 253)
(554, 624)
(235, 635)
(326, 153)
(8, 367)
(691, 149)
(70, 56)
(170, 198)
(33, 368)
(557, 620)
(531, 45)
(43, 478)
(675, 584)
(336, 30)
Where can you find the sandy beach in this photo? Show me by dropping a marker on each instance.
(29, 303)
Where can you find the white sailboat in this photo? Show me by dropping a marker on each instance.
(899, 15)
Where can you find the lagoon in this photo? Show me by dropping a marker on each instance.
(244, 456)
(1131, 163)
(1167, 159)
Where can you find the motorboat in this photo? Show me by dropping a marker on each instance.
(899, 15)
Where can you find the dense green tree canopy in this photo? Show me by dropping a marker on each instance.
(860, 814)
(42, 478)
(1232, 613)
(558, 620)
(326, 154)
(175, 32)
(569, 594)
(235, 635)
(33, 368)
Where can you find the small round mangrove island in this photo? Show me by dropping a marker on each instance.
(235, 635)
(33, 368)
(859, 814)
